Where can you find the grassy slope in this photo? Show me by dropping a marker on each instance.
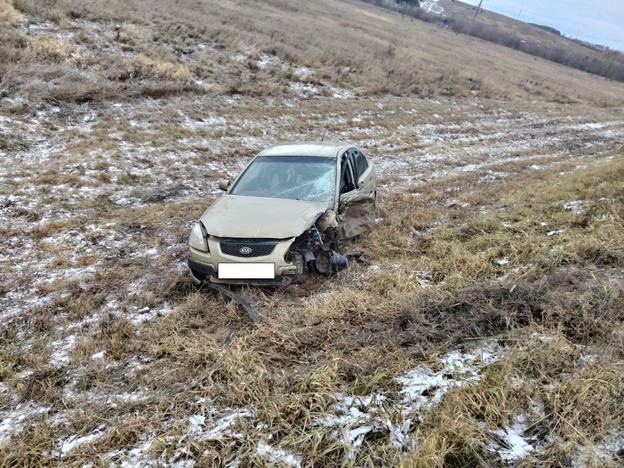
(531, 257)
(349, 44)
(533, 40)
(520, 29)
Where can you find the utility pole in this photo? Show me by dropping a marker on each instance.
(478, 10)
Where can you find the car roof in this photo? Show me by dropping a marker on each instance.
(311, 148)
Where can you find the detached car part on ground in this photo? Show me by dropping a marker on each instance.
(285, 216)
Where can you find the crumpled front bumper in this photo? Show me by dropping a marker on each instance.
(199, 270)
(204, 265)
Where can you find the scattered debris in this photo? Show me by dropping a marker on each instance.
(236, 297)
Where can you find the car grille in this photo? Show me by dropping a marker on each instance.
(248, 248)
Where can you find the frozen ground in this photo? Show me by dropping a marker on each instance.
(66, 170)
(81, 186)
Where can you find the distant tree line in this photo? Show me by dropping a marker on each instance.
(547, 28)
(598, 61)
(415, 3)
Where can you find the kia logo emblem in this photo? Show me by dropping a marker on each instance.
(245, 250)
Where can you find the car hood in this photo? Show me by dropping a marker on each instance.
(254, 217)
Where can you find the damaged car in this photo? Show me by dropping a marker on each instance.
(287, 215)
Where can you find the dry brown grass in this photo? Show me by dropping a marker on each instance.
(8, 13)
(57, 50)
(369, 326)
(222, 46)
(106, 335)
(146, 67)
(578, 404)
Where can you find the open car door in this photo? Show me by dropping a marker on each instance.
(356, 206)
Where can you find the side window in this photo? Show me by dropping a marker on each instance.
(347, 179)
(360, 163)
(353, 163)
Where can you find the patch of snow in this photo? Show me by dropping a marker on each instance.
(303, 72)
(120, 199)
(608, 452)
(424, 387)
(221, 425)
(575, 206)
(268, 60)
(355, 417)
(277, 456)
(99, 355)
(148, 313)
(60, 355)
(554, 233)
(340, 93)
(133, 458)
(422, 277)
(13, 420)
(514, 445)
(305, 90)
(196, 424)
(70, 443)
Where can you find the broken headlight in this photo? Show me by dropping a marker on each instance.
(199, 238)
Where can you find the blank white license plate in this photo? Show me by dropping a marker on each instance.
(246, 270)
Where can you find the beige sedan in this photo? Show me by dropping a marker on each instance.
(285, 216)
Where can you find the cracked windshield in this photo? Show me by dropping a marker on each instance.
(308, 178)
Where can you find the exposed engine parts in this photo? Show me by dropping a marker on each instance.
(314, 250)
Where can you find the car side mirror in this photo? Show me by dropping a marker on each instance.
(224, 184)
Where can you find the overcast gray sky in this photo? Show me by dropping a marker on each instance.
(599, 22)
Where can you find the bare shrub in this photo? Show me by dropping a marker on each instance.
(58, 50)
(8, 13)
(13, 54)
(145, 67)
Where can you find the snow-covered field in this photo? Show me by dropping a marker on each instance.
(66, 171)
(85, 192)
